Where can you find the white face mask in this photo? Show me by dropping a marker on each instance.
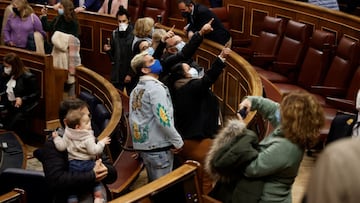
(180, 46)
(358, 101)
(193, 72)
(7, 70)
(123, 26)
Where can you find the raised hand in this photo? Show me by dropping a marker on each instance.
(169, 34)
(106, 140)
(206, 28)
(225, 52)
(246, 103)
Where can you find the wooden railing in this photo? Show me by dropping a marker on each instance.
(101, 88)
(186, 173)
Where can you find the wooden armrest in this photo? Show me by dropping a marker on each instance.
(186, 173)
(343, 104)
(16, 195)
(328, 91)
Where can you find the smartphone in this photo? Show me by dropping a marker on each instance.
(108, 41)
(243, 112)
(159, 18)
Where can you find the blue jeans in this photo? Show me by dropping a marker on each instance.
(81, 165)
(157, 164)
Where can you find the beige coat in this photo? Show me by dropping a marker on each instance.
(66, 53)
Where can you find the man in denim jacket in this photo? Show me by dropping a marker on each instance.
(151, 118)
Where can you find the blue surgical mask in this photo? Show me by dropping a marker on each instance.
(180, 46)
(156, 68)
(194, 73)
(150, 51)
(61, 11)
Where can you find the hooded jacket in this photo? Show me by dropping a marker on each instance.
(234, 147)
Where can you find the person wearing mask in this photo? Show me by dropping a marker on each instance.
(297, 121)
(65, 49)
(55, 164)
(174, 45)
(111, 7)
(196, 109)
(120, 52)
(66, 20)
(197, 15)
(20, 97)
(184, 53)
(22, 23)
(151, 118)
(143, 45)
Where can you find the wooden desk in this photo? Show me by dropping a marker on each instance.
(15, 155)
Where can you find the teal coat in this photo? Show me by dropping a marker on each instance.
(232, 150)
(278, 160)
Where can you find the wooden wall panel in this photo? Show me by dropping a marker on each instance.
(237, 23)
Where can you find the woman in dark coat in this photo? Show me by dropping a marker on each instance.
(21, 94)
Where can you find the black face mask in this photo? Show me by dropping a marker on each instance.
(185, 14)
(16, 11)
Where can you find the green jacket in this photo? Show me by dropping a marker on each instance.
(232, 150)
(278, 160)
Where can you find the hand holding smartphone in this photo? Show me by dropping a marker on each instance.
(243, 112)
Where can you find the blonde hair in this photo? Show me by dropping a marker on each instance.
(158, 34)
(137, 63)
(301, 118)
(143, 27)
(25, 8)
